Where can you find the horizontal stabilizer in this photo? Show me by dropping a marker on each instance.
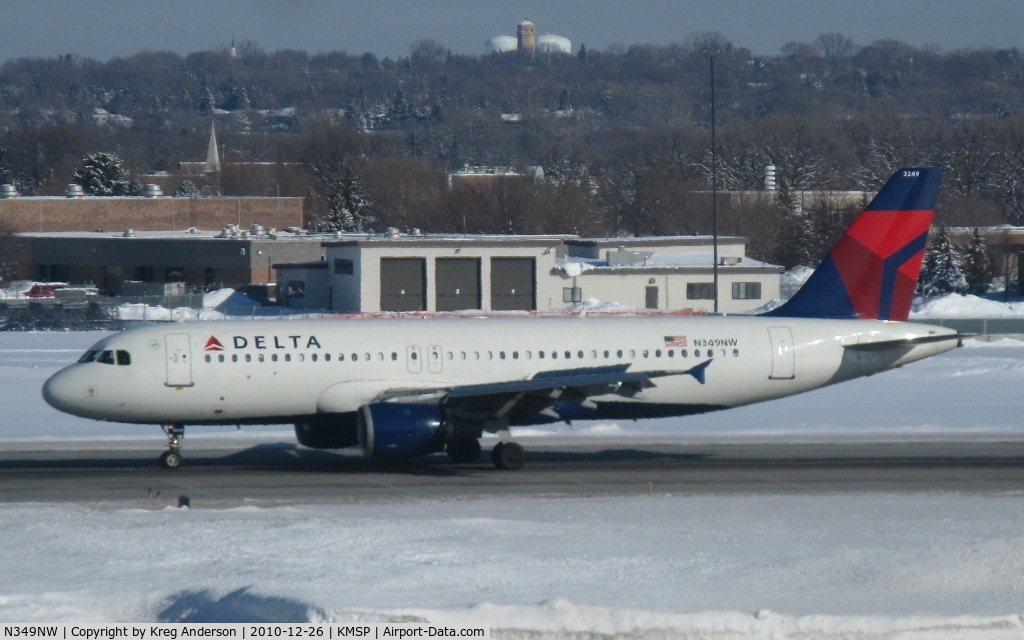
(885, 345)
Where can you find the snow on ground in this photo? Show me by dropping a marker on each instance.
(871, 565)
(956, 305)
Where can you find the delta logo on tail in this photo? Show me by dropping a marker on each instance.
(872, 271)
(213, 344)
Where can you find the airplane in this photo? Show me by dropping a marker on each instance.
(401, 387)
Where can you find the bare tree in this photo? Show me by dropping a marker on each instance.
(835, 46)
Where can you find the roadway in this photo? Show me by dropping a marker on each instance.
(272, 474)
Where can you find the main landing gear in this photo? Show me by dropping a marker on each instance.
(171, 459)
(505, 455)
(508, 455)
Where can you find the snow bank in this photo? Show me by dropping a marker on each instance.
(964, 306)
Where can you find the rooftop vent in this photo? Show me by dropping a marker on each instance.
(74, 191)
(152, 191)
(128, 233)
(8, 191)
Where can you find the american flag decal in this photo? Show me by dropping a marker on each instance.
(675, 341)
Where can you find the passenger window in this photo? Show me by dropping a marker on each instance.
(287, 357)
(554, 355)
(619, 353)
(260, 357)
(394, 355)
(107, 357)
(647, 353)
(568, 354)
(355, 356)
(272, 357)
(220, 357)
(515, 355)
(580, 355)
(607, 354)
(657, 353)
(501, 354)
(735, 353)
(327, 357)
(88, 356)
(234, 357)
(671, 352)
(541, 354)
(683, 353)
(314, 357)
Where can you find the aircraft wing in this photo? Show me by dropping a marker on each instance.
(571, 389)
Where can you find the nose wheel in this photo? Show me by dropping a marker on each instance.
(171, 459)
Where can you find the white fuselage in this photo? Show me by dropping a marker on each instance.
(279, 372)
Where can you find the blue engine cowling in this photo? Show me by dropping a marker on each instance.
(395, 430)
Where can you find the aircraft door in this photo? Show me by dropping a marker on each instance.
(783, 353)
(179, 360)
(414, 359)
(435, 361)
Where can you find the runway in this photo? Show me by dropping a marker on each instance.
(273, 474)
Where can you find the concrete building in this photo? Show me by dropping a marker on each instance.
(443, 273)
(242, 260)
(434, 273)
(667, 273)
(117, 213)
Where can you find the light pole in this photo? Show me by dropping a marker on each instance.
(711, 51)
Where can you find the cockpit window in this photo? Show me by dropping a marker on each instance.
(107, 357)
(88, 356)
(123, 357)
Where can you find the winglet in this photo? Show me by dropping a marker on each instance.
(699, 372)
(872, 271)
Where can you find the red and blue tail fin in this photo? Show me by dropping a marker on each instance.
(872, 271)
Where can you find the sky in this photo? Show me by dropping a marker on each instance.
(102, 29)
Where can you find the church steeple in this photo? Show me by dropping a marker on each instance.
(212, 156)
(211, 172)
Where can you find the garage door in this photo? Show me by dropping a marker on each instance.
(403, 284)
(458, 283)
(513, 284)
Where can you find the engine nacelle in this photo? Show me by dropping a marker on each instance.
(335, 432)
(396, 430)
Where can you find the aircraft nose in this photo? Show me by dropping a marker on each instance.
(57, 391)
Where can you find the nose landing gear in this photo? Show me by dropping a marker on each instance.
(171, 459)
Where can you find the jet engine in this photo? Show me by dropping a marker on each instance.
(335, 432)
(396, 430)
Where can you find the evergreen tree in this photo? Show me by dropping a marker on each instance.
(103, 174)
(942, 273)
(348, 206)
(798, 240)
(978, 266)
(187, 189)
